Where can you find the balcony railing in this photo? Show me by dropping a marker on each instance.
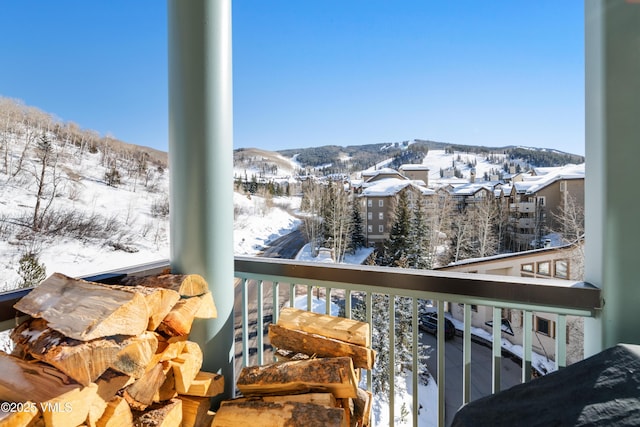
(276, 277)
(528, 295)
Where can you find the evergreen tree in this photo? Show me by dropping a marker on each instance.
(395, 247)
(403, 336)
(30, 270)
(357, 227)
(418, 242)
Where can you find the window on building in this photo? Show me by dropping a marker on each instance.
(561, 269)
(369, 202)
(380, 215)
(544, 326)
(381, 228)
(369, 216)
(544, 268)
(527, 267)
(369, 228)
(541, 201)
(380, 203)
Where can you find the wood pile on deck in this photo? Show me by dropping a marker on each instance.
(317, 382)
(109, 355)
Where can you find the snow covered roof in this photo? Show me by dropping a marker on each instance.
(547, 176)
(391, 186)
(472, 188)
(378, 172)
(556, 245)
(413, 167)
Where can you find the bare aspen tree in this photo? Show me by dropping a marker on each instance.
(571, 219)
(312, 200)
(439, 223)
(338, 220)
(484, 215)
(45, 152)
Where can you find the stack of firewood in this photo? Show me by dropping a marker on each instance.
(109, 355)
(317, 384)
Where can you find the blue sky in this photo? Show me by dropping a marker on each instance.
(316, 72)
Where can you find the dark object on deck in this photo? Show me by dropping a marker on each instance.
(603, 390)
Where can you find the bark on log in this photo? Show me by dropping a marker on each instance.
(111, 382)
(307, 343)
(84, 361)
(339, 328)
(288, 414)
(179, 320)
(335, 375)
(165, 414)
(187, 285)
(85, 311)
(362, 408)
(324, 399)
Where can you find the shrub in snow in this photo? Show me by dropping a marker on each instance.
(30, 270)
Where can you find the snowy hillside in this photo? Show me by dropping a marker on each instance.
(74, 202)
(84, 210)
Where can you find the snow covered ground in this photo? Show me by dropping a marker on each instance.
(259, 221)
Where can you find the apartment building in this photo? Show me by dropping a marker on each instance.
(561, 262)
(379, 193)
(536, 203)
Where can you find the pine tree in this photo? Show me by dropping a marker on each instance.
(396, 246)
(418, 242)
(403, 336)
(30, 270)
(357, 227)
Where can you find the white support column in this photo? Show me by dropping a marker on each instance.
(612, 37)
(201, 165)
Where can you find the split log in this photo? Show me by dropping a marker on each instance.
(167, 390)
(307, 343)
(165, 414)
(284, 355)
(136, 355)
(347, 405)
(139, 395)
(207, 308)
(179, 320)
(26, 417)
(339, 328)
(362, 408)
(206, 384)
(170, 348)
(84, 310)
(335, 375)
(289, 414)
(116, 414)
(160, 301)
(84, 361)
(324, 399)
(51, 389)
(111, 382)
(187, 285)
(186, 366)
(96, 410)
(194, 410)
